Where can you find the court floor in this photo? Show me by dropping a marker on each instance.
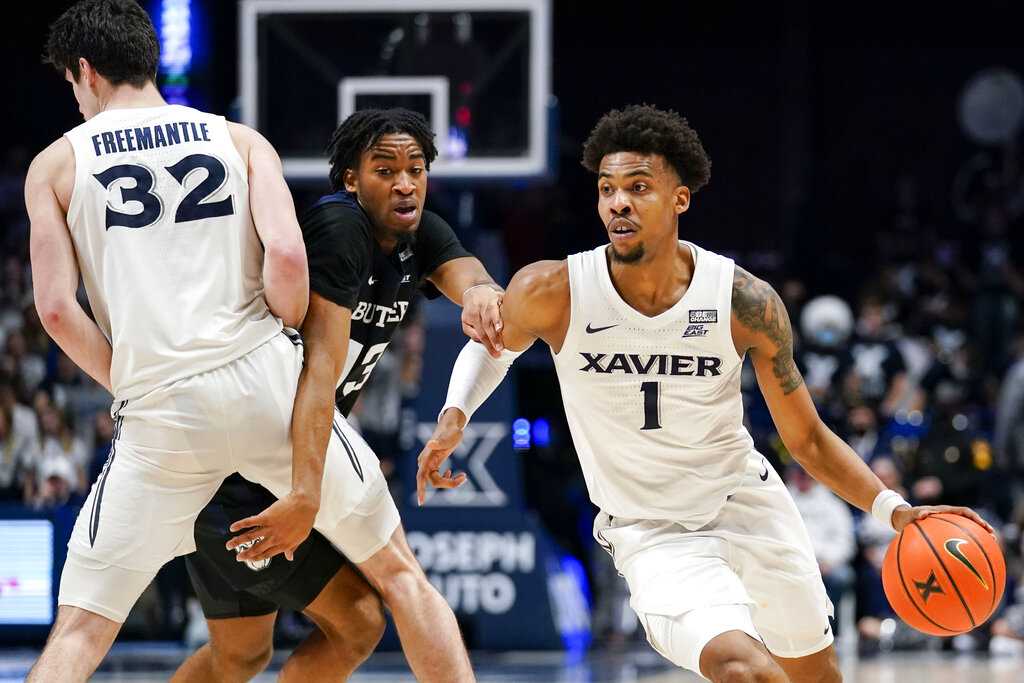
(154, 662)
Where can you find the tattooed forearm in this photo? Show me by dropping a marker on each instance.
(758, 308)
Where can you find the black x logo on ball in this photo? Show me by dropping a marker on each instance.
(926, 588)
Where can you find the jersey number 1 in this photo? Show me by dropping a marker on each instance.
(191, 206)
(652, 414)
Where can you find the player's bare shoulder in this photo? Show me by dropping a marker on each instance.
(250, 143)
(53, 168)
(760, 323)
(538, 301)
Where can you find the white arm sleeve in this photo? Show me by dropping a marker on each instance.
(475, 376)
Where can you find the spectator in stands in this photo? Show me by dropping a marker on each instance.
(24, 425)
(952, 461)
(1000, 288)
(61, 451)
(879, 371)
(28, 366)
(830, 525)
(823, 354)
(76, 394)
(1008, 440)
(57, 481)
(17, 454)
(862, 431)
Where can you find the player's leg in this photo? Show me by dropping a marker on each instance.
(735, 657)
(241, 625)
(371, 537)
(367, 534)
(426, 624)
(239, 649)
(138, 515)
(820, 667)
(317, 582)
(351, 623)
(688, 598)
(718, 641)
(775, 561)
(77, 644)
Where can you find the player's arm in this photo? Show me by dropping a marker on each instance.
(535, 306)
(467, 283)
(55, 268)
(761, 328)
(285, 272)
(287, 523)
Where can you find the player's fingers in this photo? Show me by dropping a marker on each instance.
(470, 331)
(289, 555)
(972, 515)
(248, 522)
(492, 316)
(260, 552)
(245, 538)
(421, 485)
(956, 510)
(493, 331)
(446, 481)
(488, 342)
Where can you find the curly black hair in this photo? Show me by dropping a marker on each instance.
(361, 131)
(115, 36)
(646, 129)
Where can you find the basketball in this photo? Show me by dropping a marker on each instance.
(944, 574)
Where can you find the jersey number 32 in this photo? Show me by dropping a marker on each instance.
(190, 208)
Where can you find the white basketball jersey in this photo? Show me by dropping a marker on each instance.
(170, 258)
(653, 403)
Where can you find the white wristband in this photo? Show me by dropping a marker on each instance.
(482, 284)
(474, 377)
(885, 504)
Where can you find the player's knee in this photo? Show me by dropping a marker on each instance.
(242, 664)
(746, 671)
(363, 629)
(404, 585)
(373, 625)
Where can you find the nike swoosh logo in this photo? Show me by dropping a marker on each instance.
(592, 330)
(764, 477)
(953, 548)
(371, 281)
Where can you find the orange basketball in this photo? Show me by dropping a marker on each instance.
(944, 574)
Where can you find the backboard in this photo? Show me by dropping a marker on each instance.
(478, 70)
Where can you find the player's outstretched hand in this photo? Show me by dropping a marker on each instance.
(282, 527)
(903, 516)
(481, 317)
(446, 437)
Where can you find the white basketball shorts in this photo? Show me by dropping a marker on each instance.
(170, 452)
(756, 553)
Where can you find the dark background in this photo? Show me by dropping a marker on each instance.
(811, 112)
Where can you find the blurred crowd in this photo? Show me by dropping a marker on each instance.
(922, 373)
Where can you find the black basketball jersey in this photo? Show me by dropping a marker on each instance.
(348, 267)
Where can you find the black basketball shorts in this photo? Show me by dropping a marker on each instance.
(227, 588)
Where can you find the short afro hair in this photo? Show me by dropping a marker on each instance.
(115, 36)
(361, 131)
(645, 129)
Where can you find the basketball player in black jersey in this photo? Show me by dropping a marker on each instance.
(371, 248)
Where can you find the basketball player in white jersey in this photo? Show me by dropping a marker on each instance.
(184, 233)
(648, 336)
